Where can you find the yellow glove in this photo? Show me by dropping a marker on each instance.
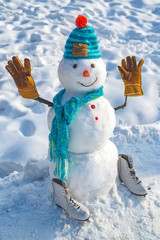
(131, 76)
(22, 77)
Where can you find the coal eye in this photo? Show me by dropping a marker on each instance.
(75, 66)
(93, 65)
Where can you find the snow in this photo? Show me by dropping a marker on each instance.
(38, 29)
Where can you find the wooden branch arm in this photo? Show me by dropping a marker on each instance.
(42, 100)
(50, 104)
(122, 106)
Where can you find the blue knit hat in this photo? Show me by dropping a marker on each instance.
(82, 43)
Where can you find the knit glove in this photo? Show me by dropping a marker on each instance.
(131, 76)
(22, 77)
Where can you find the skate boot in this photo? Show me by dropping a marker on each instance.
(128, 177)
(63, 198)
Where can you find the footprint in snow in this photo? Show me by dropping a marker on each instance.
(35, 37)
(27, 128)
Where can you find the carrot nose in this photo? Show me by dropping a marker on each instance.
(86, 73)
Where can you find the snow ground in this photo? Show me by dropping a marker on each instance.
(38, 29)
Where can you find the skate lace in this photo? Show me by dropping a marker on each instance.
(134, 176)
(71, 199)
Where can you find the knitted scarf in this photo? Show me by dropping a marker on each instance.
(59, 137)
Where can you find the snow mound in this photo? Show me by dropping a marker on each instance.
(7, 168)
(36, 169)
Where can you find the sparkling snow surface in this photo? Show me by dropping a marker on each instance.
(38, 29)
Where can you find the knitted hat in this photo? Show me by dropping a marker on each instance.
(82, 43)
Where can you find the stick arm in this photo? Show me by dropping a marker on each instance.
(44, 101)
(122, 106)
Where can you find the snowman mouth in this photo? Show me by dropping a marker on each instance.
(88, 85)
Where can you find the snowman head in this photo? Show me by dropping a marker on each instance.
(82, 68)
(82, 75)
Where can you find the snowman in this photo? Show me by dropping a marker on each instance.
(81, 121)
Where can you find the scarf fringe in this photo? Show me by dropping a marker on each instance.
(62, 165)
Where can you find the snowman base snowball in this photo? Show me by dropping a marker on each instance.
(92, 173)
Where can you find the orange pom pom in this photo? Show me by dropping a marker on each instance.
(81, 21)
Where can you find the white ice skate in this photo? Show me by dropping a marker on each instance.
(128, 177)
(64, 199)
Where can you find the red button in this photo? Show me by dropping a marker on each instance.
(96, 118)
(93, 106)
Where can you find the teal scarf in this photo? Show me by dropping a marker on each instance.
(59, 137)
